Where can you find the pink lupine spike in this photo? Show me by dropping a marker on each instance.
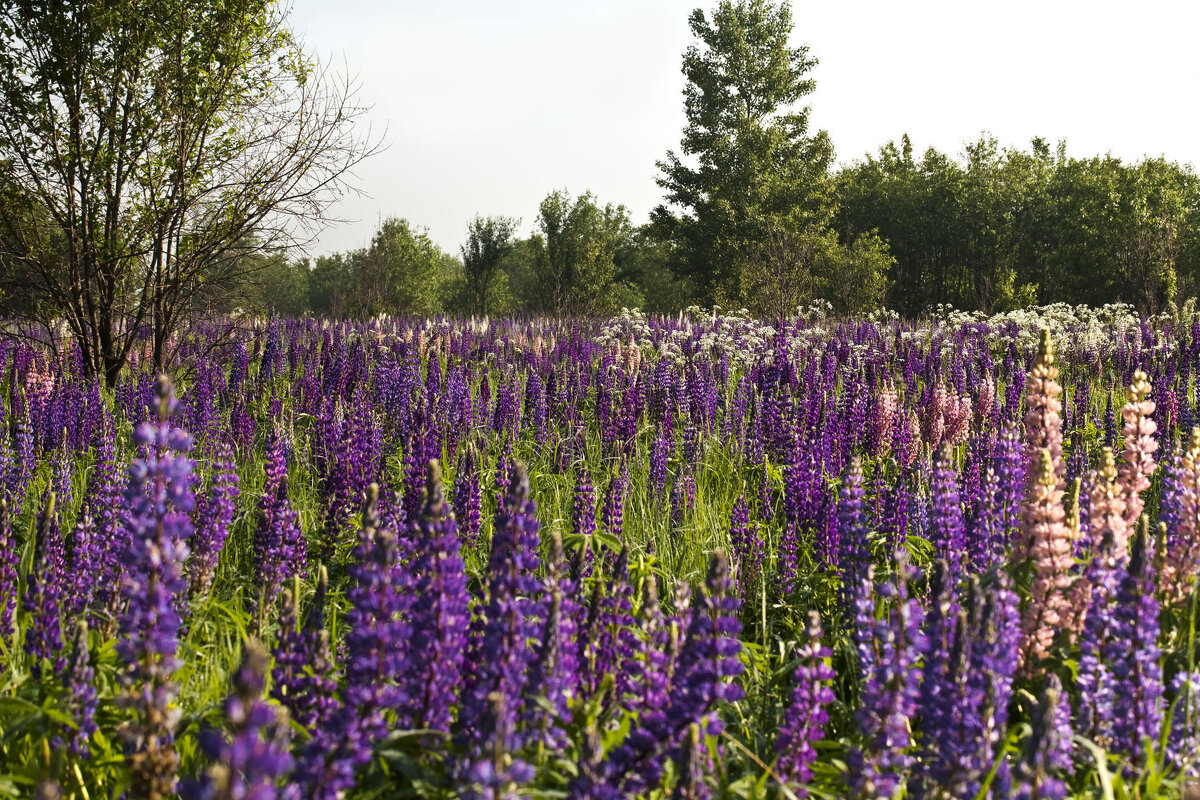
(1137, 460)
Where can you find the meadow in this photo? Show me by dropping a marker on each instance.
(687, 556)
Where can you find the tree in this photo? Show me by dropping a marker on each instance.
(579, 254)
(747, 162)
(144, 145)
(489, 240)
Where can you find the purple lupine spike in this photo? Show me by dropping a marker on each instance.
(257, 757)
(468, 498)
(608, 647)
(440, 614)
(554, 674)
(8, 571)
(80, 583)
(889, 651)
(613, 513)
(1134, 654)
(660, 453)
(304, 679)
(705, 668)
(746, 548)
(1047, 756)
(947, 527)
(80, 691)
(212, 518)
(854, 557)
(500, 650)
(488, 771)
(379, 598)
(159, 498)
(583, 520)
(804, 723)
(44, 593)
(1183, 743)
(279, 550)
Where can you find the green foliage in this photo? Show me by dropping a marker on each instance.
(747, 162)
(489, 240)
(1004, 228)
(401, 272)
(577, 258)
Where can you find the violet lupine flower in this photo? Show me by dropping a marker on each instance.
(947, 527)
(606, 646)
(660, 453)
(279, 550)
(379, 598)
(1183, 537)
(804, 723)
(468, 498)
(554, 674)
(489, 771)
(8, 571)
(855, 557)
(889, 651)
(257, 757)
(1183, 743)
(44, 593)
(612, 515)
(500, 647)
(1047, 756)
(213, 516)
(159, 497)
(654, 662)
(1134, 655)
(706, 664)
(303, 676)
(80, 692)
(746, 548)
(440, 612)
(583, 519)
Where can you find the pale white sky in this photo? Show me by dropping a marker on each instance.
(491, 105)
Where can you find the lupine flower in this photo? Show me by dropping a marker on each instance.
(80, 692)
(1137, 460)
(253, 761)
(500, 647)
(746, 547)
(468, 498)
(1183, 744)
(159, 498)
(1134, 654)
(554, 672)
(213, 516)
(889, 651)
(440, 615)
(1049, 549)
(44, 596)
(303, 678)
(1047, 756)
(1183, 538)
(851, 516)
(8, 572)
(1043, 420)
(279, 550)
(948, 532)
(804, 723)
(379, 599)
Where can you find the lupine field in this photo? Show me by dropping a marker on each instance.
(688, 557)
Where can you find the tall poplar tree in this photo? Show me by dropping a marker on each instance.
(747, 162)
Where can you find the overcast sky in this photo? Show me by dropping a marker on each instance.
(488, 106)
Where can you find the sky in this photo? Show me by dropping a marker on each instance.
(486, 107)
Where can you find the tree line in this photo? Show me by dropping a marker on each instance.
(162, 163)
